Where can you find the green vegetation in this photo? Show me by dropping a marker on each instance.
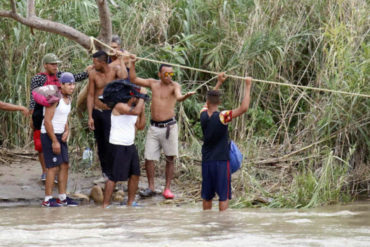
(302, 148)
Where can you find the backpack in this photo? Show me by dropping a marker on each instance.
(235, 157)
(120, 91)
(46, 95)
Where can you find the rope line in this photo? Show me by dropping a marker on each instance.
(238, 77)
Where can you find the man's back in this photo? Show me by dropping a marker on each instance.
(215, 137)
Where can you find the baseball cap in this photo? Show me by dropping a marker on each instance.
(67, 77)
(50, 58)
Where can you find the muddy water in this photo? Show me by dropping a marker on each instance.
(347, 225)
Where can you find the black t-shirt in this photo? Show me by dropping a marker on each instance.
(215, 136)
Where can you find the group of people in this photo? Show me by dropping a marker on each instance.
(115, 128)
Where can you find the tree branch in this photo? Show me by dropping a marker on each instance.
(46, 25)
(14, 7)
(30, 8)
(105, 21)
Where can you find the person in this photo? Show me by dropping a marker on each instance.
(163, 131)
(116, 44)
(10, 107)
(216, 176)
(50, 75)
(98, 112)
(126, 118)
(54, 135)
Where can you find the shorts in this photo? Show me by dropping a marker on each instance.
(37, 140)
(125, 162)
(51, 159)
(216, 178)
(156, 139)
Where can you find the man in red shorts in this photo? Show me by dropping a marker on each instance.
(50, 76)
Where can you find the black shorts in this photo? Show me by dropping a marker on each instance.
(125, 162)
(51, 159)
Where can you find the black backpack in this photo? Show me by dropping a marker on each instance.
(120, 91)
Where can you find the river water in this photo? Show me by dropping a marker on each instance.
(346, 225)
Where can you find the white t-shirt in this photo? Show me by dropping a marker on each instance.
(122, 131)
(60, 117)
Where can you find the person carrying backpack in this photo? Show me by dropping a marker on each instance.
(50, 76)
(216, 173)
(54, 135)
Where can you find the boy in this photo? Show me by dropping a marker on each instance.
(216, 175)
(54, 134)
(126, 118)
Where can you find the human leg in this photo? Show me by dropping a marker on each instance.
(223, 184)
(207, 204)
(49, 183)
(208, 186)
(170, 149)
(170, 160)
(150, 171)
(152, 153)
(63, 178)
(108, 191)
(223, 205)
(42, 161)
(133, 183)
(101, 134)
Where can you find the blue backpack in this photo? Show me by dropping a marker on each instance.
(235, 157)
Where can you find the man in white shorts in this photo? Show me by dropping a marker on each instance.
(162, 133)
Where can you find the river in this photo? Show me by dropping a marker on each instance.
(340, 225)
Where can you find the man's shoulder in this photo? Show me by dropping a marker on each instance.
(39, 76)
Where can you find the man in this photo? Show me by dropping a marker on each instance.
(51, 75)
(216, 174)
(10, 107)
(163, 131)
(54, 135)
(116, 43)
(126, 118)
(99, 113)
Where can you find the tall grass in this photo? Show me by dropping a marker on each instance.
(309, 42)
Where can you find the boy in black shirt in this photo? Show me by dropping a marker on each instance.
(216, 174)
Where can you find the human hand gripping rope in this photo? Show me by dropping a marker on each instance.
(92, 39)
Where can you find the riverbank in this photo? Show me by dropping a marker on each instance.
(21, 184)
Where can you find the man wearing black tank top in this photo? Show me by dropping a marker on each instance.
(216, 174)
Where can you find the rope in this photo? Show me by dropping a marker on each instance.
(240, 77)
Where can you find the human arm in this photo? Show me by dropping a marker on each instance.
(220, 79)
(90, 101)
(49, 114)
(178, 94)
(140, 122)
(65, 133)
(123, 108)
(36, 81)
(132, 75)
(121, 68)
(246, 100)
(11, 107)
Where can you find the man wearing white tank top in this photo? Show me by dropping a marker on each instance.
(126, 118)
(54, 134)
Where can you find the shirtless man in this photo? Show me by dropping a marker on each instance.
(99, 113)
(116, 44)
(163, 130)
